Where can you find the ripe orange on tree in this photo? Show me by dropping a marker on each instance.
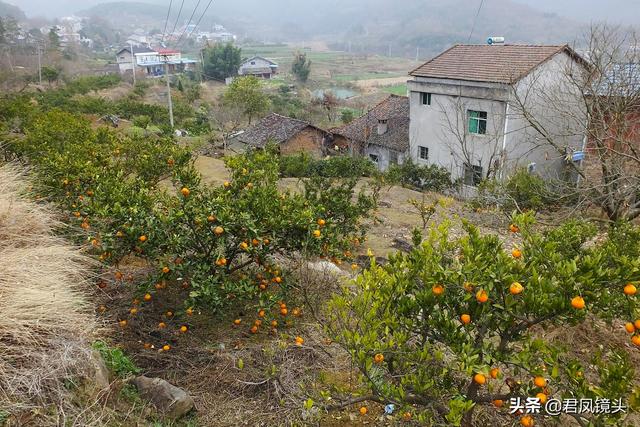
(299, 341)
(189, 311)
(185, 191)
(482, 296)
(516, 253)
(218, 230)
(284, 311)
(437, 290)
(378, 358)
(166, 347)
(317, 233)
(254, 329)
(147, 297)
(578, 303)
(540, 382)
(465, 319)
(255, 242)
(516, 288)
(363, 410)
(274, 323)
(296, 312)
(514, 228)
(498, 403)
(321, 222)
(165, 269)
(211, 218)
(630, 289)
(479, 378)
(183, 329)
(162, 325)
(494, 373)
(636, 340)
(261, 313)
(142, 238)
(629, 327)
(123, 323)
(526, 421)
(133, 311)
(542, 397)
(244, 246)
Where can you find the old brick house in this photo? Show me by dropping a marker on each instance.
(382, 134)
(291, 135)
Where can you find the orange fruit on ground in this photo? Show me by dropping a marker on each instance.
(133, 311)
(317, 233)
(166, 347)
(147, 297)
(211, 218)
(76, 214)
(630, 289)
(258, 322)
(540, 382)
(183, 329)
(274, 323)
(142, 238)
(237, 321)
(261, 313)
(479, 379)
(284, 311)
(162, 325)
(629, 327)
(185, 191)
(218, 230)
(482, 296)
(123, 323)
(498, 403)
(526, 421)
(299, 341)
(514, 228)
(437, 290)
(406, 416)
(321, 222)
(636, 340)
(577, 303)
(254, 329)
(378, 358)
(516, 253)
(165, 269)
(278, 279)
(363, 410)
(465, 319)
(255, 242)
(494, 373)
(542, 397)
(516, 288)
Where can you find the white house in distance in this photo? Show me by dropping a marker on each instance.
(259, 67)
(151, 62)
(464, 114)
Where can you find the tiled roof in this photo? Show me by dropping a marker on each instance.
(273, 128)
(490, 63)
(137, 49)
(244, 61)
(396, 137)
(363, 128)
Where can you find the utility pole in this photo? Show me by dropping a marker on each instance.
(417, 53)
(39, 64)
(133, 63)
(202, 65)
(166, 74)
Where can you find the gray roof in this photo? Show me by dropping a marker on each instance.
(394, 109)
(244, 61)
(274, 128)
(136, 49)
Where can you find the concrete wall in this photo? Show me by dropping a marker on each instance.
(442, 126)
(247, 67)
(545, 93)
(385, 156)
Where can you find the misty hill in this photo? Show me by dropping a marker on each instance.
(368, 25)
(11, 11)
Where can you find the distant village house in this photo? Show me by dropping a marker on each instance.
(259, 67)
(381, 135)
(152, 62)
(292, 136)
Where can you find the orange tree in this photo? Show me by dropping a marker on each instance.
(459, 322)
(223, 240)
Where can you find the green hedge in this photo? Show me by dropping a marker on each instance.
(303, 166)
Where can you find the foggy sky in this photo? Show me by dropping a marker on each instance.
(613, 11)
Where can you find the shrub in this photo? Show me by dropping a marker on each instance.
(302, 165)
(430, 177)
(141, 121)
(521, 191)
(438, 330)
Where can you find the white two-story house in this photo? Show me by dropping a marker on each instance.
(483, 111)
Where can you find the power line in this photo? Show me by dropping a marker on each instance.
(175, 24)
(475, 20)
(166, 21)
(189, 22)
(200, 19)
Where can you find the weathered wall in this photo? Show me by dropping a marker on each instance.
(309, 141)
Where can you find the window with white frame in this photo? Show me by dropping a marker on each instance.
(477, 122)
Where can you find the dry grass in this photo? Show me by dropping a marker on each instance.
(46, 321)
